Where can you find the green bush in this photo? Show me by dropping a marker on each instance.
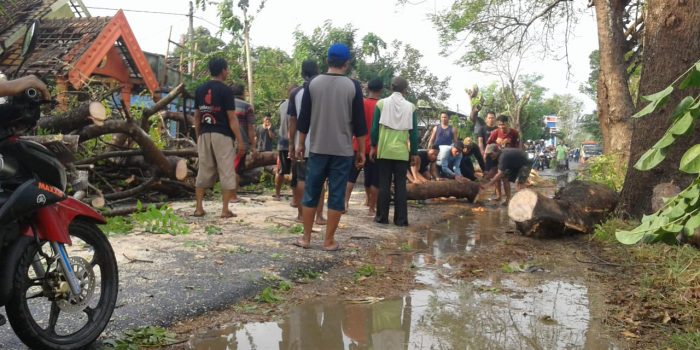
(606, 169)
(161, 220)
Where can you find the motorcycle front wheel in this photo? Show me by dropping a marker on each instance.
(43, 314)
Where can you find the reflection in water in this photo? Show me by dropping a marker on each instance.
(519, 313)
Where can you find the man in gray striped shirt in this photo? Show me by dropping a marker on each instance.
(332, 108)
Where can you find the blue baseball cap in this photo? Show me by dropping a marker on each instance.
(339, 52)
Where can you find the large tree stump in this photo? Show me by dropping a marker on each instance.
(447, 188)
(576, 208)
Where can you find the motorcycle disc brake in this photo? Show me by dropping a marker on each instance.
(86, 276)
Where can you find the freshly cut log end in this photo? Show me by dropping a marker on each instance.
(98, 202)
(522, 206)
(576, 208)
(181, 170)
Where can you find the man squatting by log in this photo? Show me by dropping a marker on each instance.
(513, 166)
(216, 125)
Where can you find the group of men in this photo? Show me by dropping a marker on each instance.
(329, 133)
(497, 151)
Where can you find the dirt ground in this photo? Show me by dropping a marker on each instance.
(391, 250)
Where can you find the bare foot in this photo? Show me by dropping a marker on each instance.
(372, 212)
(299, 219)
(199, 213)
(277, 197)
(228, 214)
(321, 221)
(293, 205)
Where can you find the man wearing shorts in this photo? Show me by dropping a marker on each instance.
(284, 163)
(333, 109)
(374, 92)
(513, 165)
(216, 125)
(246, 120)
(309, 69)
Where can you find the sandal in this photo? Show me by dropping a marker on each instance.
(333, 248)
(300, 244)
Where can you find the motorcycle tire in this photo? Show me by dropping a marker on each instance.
(20, 314)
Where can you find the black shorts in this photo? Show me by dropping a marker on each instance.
(284, 164)
(370, 171)
(300, 167)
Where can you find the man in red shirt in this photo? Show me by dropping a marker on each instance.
(504, 136)
(374, 92)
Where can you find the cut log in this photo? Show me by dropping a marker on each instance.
(261, 159)
(85, 114)
(447, 188)
(576, 208)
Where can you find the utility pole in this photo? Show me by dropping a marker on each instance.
(190, 35)
(249, 64)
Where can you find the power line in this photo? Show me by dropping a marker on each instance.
(154, 12)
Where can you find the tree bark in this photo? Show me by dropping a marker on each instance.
(85, 114)
(671, 45)
(576, 208)
(162, 103)
(446, 188)
(614, 101)
(150, 151)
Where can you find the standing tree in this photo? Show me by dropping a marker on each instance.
(488, 29)
(671, 45)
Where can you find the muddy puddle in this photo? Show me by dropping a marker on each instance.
(523, 310)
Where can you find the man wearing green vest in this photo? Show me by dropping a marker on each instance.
(394, 122)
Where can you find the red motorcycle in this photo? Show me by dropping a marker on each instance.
(58, 273)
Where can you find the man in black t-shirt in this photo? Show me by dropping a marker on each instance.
(513, 165)
(216, 125)
(425, 170)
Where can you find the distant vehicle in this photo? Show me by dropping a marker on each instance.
(590, 149)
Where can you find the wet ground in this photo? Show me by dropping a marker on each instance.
(529, 304)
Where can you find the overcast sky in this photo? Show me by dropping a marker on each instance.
(276, 23)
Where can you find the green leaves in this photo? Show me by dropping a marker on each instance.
(681, 126)
(693, 79)
(690, 163)
(657, 100)
(650, 159)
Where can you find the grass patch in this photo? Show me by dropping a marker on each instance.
(195, 244)
(213, 230)
(146, 337)
(364, 272)
(305, 275)
(161, 220)
(405, 247)
(686, 341)
(665, 279)
(268, 296)
(605, 232)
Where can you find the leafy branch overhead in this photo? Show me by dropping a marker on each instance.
(680, 214)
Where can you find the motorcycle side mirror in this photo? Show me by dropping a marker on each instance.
(27, 45)
(29, 38)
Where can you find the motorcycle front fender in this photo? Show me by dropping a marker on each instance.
(52, 222)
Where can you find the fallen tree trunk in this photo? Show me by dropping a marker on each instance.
(446, 188)
(261, 159)
(150, 151)
(83, 115)
(576, 208)
(160, 104)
